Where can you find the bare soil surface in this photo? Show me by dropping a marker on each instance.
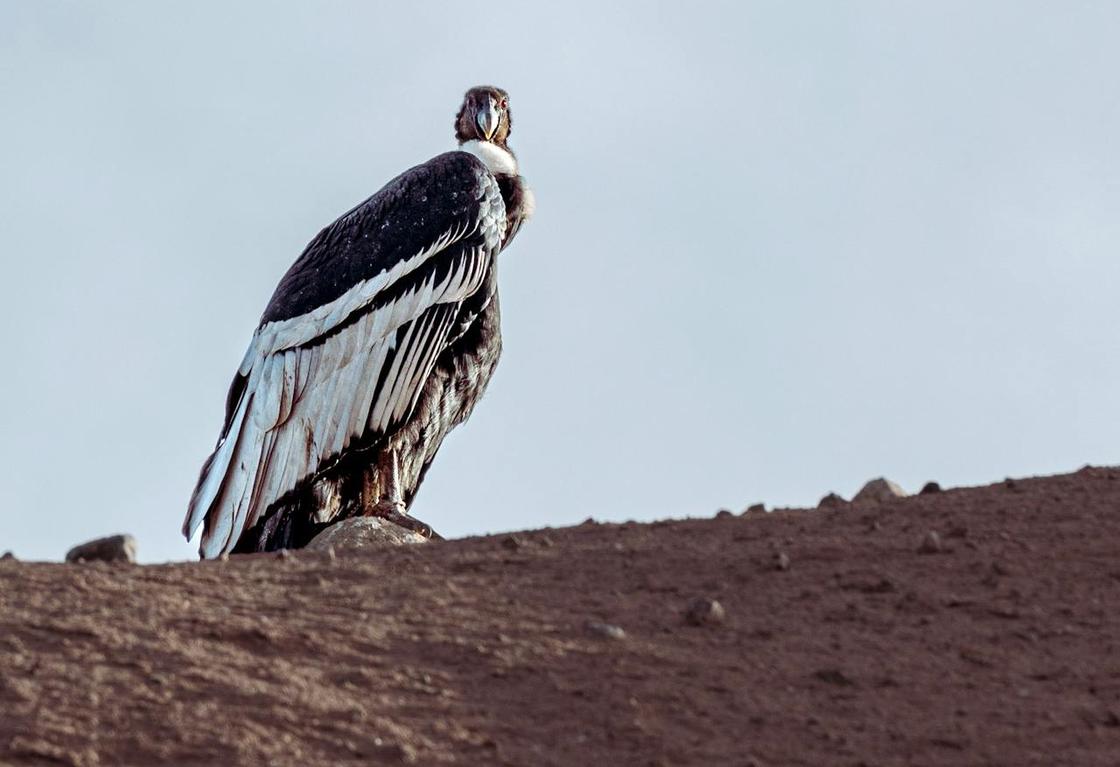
(868, 643)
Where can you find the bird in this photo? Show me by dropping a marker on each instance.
(377, 342)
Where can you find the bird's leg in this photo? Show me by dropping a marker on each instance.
(390, 506)
(387, 485)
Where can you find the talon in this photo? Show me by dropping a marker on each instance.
(386, 508)
(395, 512)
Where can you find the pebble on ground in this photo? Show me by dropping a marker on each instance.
(114, 548)
(704, 612)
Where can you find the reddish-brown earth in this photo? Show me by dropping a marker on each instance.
(1002, 648)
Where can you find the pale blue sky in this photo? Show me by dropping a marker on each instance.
(780, 247)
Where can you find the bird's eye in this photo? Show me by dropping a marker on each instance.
(504, 103)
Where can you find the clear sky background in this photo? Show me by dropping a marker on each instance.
(780, 248)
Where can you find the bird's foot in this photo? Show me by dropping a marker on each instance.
(396, 513)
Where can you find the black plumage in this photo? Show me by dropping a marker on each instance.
(379, 340)
(415, 208)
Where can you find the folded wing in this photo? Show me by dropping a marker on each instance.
(349, 339)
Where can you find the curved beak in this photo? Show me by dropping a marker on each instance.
(487, 119)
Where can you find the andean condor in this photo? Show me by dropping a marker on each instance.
(378, 341)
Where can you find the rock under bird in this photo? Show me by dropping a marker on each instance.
(378, 341)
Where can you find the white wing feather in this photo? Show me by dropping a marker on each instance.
(307, 396)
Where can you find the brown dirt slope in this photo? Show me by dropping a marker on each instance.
(1000, 649)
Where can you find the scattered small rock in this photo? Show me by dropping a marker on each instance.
(834, 676)
(1001, 568)
(704, 612)
(331, 555)
(223, 557)
(393, 752)
(931, 544)
(512, 542)
(407, 753)
(756, 508)
(285, 554)
(930, 487)
(114, 548)
(360, 532)
(781, 561)
(831, 500)
(605, 630)
(879, 490)
(724, 514)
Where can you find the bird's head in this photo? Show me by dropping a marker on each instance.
(484, 116)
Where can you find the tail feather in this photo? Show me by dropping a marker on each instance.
(210, 479)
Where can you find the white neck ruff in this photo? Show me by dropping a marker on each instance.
(500, 161)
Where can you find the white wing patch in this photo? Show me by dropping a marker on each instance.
(318, 381)
(285, 334)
